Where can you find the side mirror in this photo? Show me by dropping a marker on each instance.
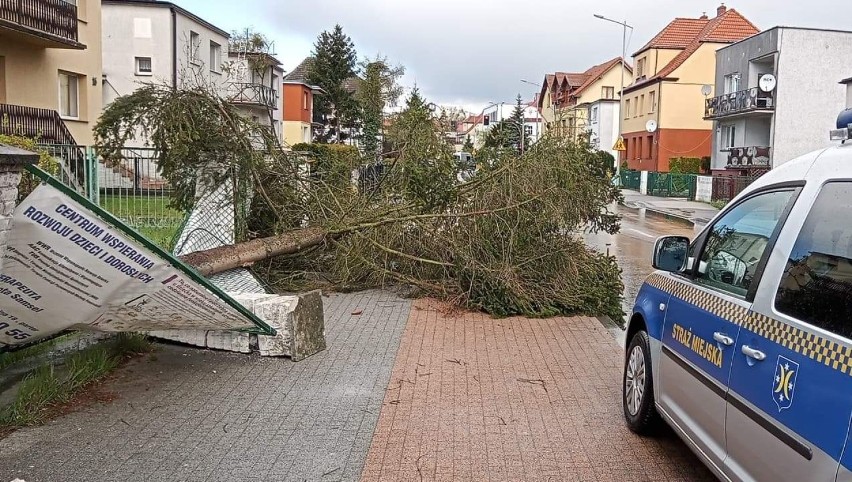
(670, 253)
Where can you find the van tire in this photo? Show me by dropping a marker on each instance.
(637, 387)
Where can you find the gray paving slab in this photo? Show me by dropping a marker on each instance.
(190, 415)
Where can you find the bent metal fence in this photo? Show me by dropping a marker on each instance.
(667, 184)
(129, 186)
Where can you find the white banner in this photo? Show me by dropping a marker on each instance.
(65, 267)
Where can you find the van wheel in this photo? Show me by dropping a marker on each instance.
(638, 387)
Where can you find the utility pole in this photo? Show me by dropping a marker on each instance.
(621, 112)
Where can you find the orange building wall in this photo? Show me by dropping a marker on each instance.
(294, 103)
(651, 152)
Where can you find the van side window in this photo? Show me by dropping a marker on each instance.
(816, 286)
(737, 241)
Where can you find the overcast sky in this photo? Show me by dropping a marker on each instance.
(471, 52)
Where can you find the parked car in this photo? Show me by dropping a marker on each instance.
(742, 339)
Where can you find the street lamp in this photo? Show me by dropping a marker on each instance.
(537, 113)
(625, 26)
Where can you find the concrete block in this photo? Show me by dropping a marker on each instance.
(298, 320)
(188, 337)
(229, 341)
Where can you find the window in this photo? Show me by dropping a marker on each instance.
(143, 66)
(737, 242)
(641, 105)
(627, 109)
(639, 149)
(636, 106)
(215, 57)
(729, 136)
(816, 286)
(732, 83)
(593, 114)
(528, 130)
(650, 144)
(305, 100)
(194, 46)
(640, 68)
(69, 102)
(652, 102)
(607, 92)
(306, 134)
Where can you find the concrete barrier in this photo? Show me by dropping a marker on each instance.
(298, 321)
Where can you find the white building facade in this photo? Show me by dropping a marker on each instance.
(779, 97)
(158, 42)
(494, 113)
(603, 125)
(254, 85)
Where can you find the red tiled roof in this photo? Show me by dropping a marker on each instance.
(596, 72)
(576, 82)
(729, 27)
(676, 35)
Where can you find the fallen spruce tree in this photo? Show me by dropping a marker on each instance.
(506, 239)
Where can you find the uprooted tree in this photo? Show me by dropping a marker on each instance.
(506, 241)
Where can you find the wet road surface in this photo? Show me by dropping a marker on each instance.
(632, 246)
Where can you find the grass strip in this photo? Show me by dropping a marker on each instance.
(55, 384)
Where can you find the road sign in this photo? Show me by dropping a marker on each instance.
(619, 145)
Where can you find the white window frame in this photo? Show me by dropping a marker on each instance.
(194, 47)
(215, 57)
(141, 72)
(652, 101)
(732, 82)
(73, 79)
(593, 114)
(728, 136)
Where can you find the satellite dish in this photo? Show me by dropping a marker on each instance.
(767, 82)
(651, 125)
(706, 90)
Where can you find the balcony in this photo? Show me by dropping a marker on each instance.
(252, 94)
(752, 157)
(47, 23)
(736, 103)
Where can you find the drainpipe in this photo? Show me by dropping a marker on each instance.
(174, 48)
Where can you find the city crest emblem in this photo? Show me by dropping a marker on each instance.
(784, 385)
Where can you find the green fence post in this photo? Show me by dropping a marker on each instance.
(92, 190)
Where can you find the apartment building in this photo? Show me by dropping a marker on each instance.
(298, 105)
(155, 41)
(566, 99)
(254, 86)
(50, 69)
(762, 116)
(674, 73)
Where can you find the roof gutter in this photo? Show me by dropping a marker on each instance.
(174, 47)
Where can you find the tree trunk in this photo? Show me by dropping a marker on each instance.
(217, 260)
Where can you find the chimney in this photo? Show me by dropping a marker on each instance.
(703, 16)
(721, 10)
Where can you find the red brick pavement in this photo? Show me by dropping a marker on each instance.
(474, 398)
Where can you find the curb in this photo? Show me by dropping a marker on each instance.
(662, 214)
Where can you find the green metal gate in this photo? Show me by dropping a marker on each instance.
(666, 184)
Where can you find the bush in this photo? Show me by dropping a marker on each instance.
(46, 162)
(685, 165)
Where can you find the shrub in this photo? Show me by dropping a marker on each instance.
(685, 165)
(46, 162)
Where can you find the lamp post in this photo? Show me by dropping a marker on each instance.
(625, 26)
(538, 120)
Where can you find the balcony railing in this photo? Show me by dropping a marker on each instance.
(50, 22)
(752, 157)
(253, 94)
(49, 130)
(738, 103)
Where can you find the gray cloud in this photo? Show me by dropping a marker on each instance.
(476, 51)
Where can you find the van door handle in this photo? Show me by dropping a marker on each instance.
(723, 339)
(752, 353)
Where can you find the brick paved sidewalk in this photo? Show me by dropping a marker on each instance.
(473, 398)
(193, 414)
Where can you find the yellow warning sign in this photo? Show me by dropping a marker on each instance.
(619, 145)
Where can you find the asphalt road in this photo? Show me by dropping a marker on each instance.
(632, 246)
